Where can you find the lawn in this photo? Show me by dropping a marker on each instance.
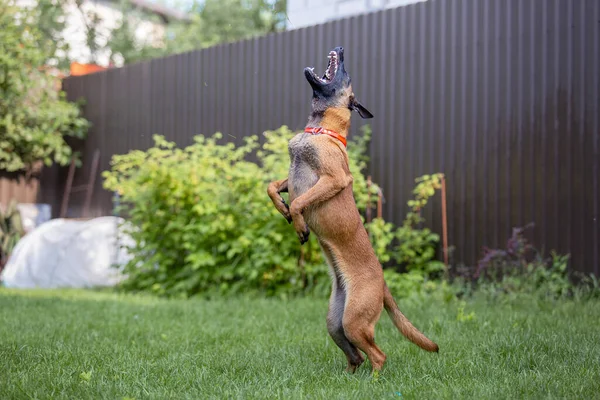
(85, 344)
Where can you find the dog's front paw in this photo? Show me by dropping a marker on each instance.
(300, 224)
(303, 235)
(301, 229)
(286, 212)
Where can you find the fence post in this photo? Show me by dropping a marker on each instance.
(369, 211)
(379, 202)
(444, 226)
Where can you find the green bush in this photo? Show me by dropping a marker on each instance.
(544, 278)
(409, 247)
(417, 246)
(520, 268)
(204, 224)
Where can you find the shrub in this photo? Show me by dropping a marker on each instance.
(521, 268)
(417, 246)
(410, 247)
(205, 224)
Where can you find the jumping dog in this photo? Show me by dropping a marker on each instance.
(319, 184)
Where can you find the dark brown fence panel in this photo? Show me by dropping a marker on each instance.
(501, 96)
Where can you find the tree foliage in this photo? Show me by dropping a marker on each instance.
(35, 118)
(222, 21)
(209, 23)
(125, 46)
(50, 20)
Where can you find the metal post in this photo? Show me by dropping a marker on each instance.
(444, 225)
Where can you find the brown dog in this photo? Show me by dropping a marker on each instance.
(320, 195)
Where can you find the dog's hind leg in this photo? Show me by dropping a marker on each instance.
(360, 316)
(336, 327)
(337, 303)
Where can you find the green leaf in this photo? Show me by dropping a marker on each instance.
(85, 376)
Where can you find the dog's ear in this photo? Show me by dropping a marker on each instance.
(362, 111)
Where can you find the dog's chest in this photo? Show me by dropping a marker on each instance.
(304, 163)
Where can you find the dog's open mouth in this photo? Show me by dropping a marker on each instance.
(331, 70)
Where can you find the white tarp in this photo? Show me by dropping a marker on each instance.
(66, 253)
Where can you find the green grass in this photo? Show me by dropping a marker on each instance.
(84, 344)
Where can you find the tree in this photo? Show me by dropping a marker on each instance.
(50, 20)
(124, 46)
(222, 21)
(35, 118)
(210, 22)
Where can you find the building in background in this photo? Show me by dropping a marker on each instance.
(147, 18)
(303, 13)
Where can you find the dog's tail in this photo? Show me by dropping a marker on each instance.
(404, 325)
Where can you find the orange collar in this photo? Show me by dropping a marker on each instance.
(318, 131)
